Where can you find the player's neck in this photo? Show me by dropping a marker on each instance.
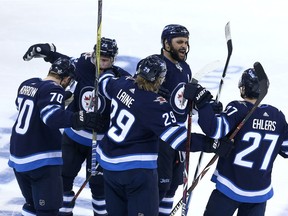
(251, 100)
(53, 79)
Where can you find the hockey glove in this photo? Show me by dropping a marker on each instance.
(216, 106)
(90, 121)
(197, 93)
(223, 146)
(39, 51)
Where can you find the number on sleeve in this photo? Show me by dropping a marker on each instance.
(169, 118)
(230, 110)
(57, 97)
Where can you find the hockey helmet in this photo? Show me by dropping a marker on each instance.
(172, 31)
(108, 47)
(250, 84)
(151, 68)
(63, 67)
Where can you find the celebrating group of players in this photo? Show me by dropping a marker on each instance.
(141, 134)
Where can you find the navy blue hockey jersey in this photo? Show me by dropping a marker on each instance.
(245, 175)
(36, 139)
(177, 76)
(138, 119)
(84, 95)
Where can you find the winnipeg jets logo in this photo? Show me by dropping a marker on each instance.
(87, 100)
(161, 100)
(177, 100)
(180, 97)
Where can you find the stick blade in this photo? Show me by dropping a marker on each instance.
(263, 80)
(205, 70)
(228, 38)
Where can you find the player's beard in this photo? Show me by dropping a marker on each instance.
(178, 55)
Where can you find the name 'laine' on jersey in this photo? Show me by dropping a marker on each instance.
(125, 98)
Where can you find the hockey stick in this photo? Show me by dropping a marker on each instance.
(202, 72)
(187, 157)
(263, 86)
(97, 72)
(230, 48)
(208, 68)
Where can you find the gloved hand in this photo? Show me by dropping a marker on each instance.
(90, 121)
(39, 51)
(223, 146)
(165, 93)
(216, 106)
(197, 93)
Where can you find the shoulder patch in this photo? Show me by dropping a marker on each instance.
(160, 100)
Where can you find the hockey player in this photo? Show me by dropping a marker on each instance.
(35, 145)
(243, 177)
(175, 47)
(129, 150)
(76, 145)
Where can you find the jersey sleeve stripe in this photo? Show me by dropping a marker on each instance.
(47, 111)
